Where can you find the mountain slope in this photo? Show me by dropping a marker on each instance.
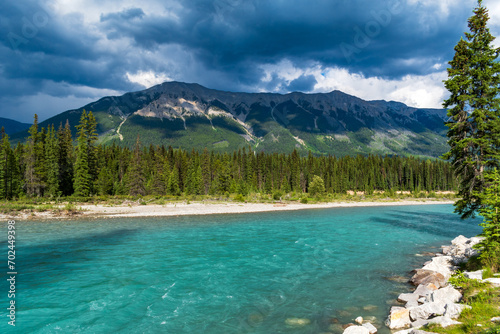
(12, 126)
(192, 116)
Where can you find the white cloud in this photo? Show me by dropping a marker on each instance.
(148, 79)
(422, 91)
(417, 91)
(444, 6)
(494, 23)
(91, 10)
(494, 10)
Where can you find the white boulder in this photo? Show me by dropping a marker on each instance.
(399, 317)
(446, 295)
(474, 274)
(356, 330)
(371, 329)
(495, 281)
(404, 331)
(423, 291)
(425, 311)
(442, 265)
(406, 297)
(412, 331)
(460, 241)
(462, 248)
(453, 310)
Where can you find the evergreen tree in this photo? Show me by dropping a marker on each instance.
(3, 165)
(158, 181)
(137, 181)
(474, 126)
(65, 159)
(199, 181)
(490, 199)
(205, 172)
(91, 128)
(9, 169)
(82, 175)
(32, 170)
(51, 161)
(104, 182)
(173, 182)
(295, 171)
(192, 185)
(317, 186)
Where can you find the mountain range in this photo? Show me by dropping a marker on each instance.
(10, 126)
(191, 116)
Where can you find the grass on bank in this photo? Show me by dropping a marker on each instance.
(485, 302)
(37, 205)
(72, 204)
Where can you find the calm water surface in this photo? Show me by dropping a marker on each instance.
(245, 273)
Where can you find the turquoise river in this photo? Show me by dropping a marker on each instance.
(245, 273)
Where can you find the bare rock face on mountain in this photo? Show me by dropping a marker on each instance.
(192, 116)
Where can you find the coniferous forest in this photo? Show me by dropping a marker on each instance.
(51, 164)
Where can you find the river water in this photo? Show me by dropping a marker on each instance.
(245, 273)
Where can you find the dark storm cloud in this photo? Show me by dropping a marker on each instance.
(366, 36)
(304, 83)
(221, 44)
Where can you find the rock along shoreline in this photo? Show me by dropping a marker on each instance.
(435, 300)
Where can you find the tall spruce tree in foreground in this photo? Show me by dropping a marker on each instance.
(474, 130)
(474, 111)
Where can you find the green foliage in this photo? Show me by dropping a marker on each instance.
(196, 132)
(484, 302)
(474, 104)
(317, 186)
(90, 169)
(277, 195)
(52, 162)
(490, 199)
(70, 207)
(91, 131)
(136, 178)
(459, 281)
(239, 198)
(364, 135)
(65, 159)
(33, 163)
(82, 174)
(10, 175)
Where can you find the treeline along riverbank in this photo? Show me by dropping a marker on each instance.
(51, 164)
